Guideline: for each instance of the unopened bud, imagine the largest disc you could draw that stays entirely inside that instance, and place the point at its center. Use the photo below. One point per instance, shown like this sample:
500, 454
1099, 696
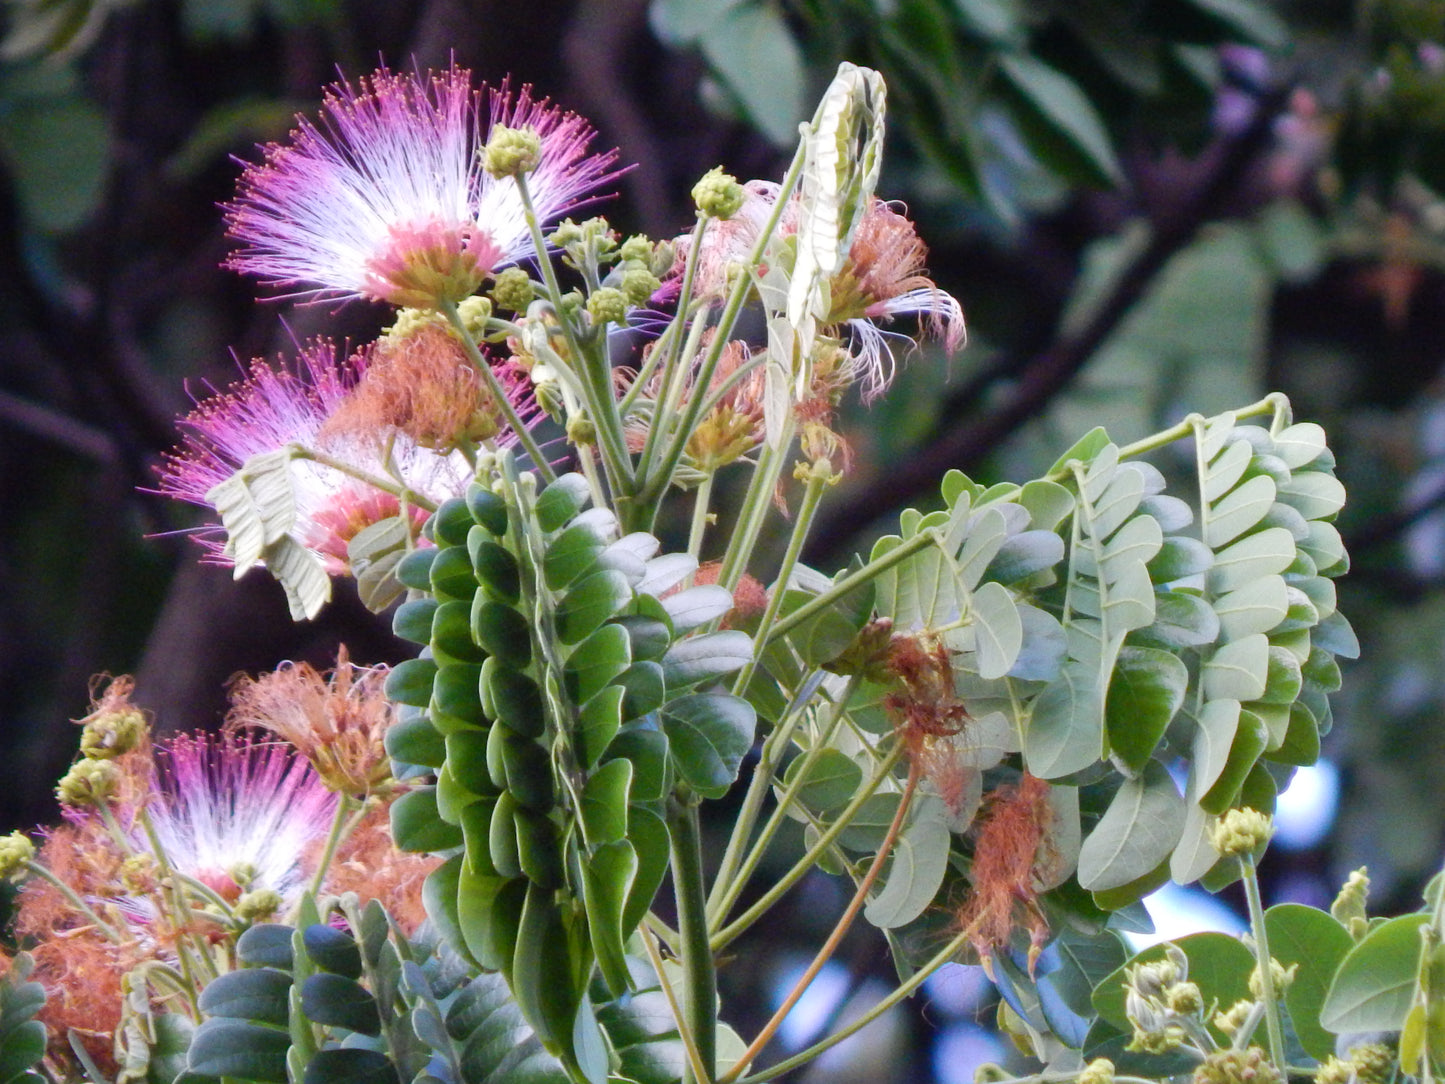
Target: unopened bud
1233, 1018
639, 284
1350, 904
138, 873
475, 311
1098, 1071
258, 904
718, 194
989, 1073
581, 430
16, 853
1230, 1066
110, 733
513, 290
89, 782
1374, 1063
1334, 1071
1280, 978
637, 247
1184, 998
512, 151
1240, 832
607, 305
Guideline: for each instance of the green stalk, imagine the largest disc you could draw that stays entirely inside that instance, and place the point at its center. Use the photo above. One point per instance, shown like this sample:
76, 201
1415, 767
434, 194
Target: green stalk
725, 888
341, 826
755, 507
656, 481
615, 458
834, 939
943, 956
850, 582
762, 777
818, 480
735, 929
1262, 960
509, 412
700, 1003
684, 1032
669, 400
701, 501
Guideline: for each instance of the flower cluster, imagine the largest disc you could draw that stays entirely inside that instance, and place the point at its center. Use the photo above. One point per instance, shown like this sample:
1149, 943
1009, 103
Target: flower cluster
168, 851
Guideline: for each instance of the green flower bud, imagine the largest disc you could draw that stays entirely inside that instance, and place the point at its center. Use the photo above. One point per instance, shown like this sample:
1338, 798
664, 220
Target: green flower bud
110, 733
138, 873
16, 852
989, 1073
1098, 1071
1280, 977
1334, 1071
513, 290
512, 151
1231, 1066
663, 257
637, 247
566, 233
581, 430
718, 194
1184, 998
1374, 1063
1240, 832
258, 904
1349, 905
639, 284
475, 311
1164, 1041
408, 322
89, 782
1234, 1017
607, 305
571, 302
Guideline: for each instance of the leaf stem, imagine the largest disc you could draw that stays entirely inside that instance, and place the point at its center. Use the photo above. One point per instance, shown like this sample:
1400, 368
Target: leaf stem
111, 933
386, 485
1263, 961
684, 1032
700, 1003
733, 877
835, 938
504, 404
341, 825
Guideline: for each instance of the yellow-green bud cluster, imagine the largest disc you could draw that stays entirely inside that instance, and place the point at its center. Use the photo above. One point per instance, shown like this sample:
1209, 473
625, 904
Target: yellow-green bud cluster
475, 311
258, 904
1374, 1063
718, 194
16, 854
1334, 1071
1280, 978
581, 430
1230, 1066
639, 284
513, 290
1349, 905
111, 733
138, 873
408, 322
1159, 999
607, 305
1098, 1071
89, 782
1233, 1018
512, 151
636, 249
1240, 832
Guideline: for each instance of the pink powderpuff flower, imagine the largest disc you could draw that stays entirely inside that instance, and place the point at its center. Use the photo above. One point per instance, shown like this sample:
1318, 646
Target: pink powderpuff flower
276, 406
239, 814
385, 198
